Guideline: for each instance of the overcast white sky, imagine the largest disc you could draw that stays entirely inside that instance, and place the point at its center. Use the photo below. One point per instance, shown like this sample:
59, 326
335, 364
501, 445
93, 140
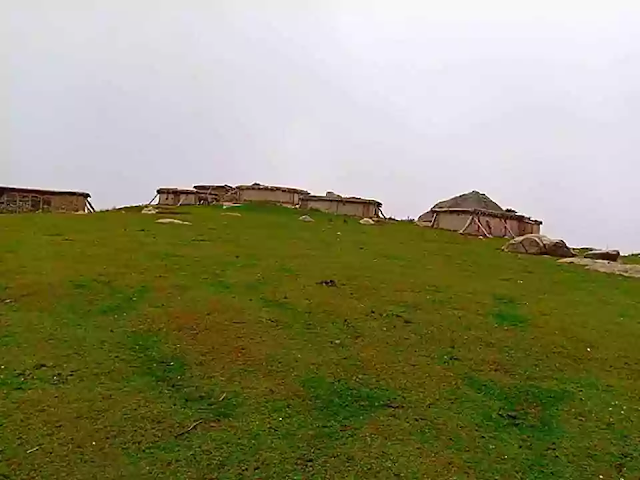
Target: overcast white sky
534, 102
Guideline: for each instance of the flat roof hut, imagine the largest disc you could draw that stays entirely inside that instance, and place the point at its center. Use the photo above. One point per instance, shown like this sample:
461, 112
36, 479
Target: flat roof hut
268, 193
23, 200
474, 213
332, 203
177, 196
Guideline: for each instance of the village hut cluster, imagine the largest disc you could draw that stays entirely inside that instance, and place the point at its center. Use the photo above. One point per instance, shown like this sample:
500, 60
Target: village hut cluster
472, 213
256, 192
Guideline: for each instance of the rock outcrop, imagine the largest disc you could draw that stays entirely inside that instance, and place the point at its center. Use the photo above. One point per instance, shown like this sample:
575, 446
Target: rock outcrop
605, 266
535, 244
610, 255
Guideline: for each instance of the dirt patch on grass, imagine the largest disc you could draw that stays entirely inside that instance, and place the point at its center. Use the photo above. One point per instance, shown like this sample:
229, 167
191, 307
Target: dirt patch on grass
223, 337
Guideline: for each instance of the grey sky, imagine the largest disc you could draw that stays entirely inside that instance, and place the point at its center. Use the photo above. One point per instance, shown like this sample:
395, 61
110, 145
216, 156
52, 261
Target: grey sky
536, 104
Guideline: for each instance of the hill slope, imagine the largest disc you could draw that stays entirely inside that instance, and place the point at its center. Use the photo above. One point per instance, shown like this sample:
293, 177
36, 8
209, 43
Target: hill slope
222, 350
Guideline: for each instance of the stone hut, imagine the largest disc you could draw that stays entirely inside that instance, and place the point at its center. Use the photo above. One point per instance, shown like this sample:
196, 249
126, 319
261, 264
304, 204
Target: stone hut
271, 194
474, 213
209, 194
23, 200
333, 203
177, 196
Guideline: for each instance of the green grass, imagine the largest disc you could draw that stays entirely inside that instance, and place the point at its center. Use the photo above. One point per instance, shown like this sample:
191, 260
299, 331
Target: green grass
631, 259
221, 350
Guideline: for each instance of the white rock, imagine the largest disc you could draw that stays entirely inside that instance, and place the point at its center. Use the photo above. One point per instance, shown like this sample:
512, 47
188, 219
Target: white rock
306, 218
149, 211
172, 220
367, 221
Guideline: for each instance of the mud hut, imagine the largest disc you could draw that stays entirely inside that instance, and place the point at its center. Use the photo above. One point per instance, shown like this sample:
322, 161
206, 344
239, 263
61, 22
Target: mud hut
23, 200
474, 213
271, 194
176, 196
332, 203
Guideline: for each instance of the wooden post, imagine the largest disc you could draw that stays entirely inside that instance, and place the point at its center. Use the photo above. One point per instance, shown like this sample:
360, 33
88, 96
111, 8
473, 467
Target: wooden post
90, 206
506, 226
433, 220
467, 224
482, 228
208, 200
156, 196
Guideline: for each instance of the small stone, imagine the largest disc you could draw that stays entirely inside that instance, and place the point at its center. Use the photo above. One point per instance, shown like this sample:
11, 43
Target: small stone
610, 255
306, 218
172, 220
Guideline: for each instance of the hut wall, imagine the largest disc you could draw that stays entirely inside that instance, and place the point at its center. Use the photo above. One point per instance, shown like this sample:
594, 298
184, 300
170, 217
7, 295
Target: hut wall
494, 226
319, 204
177, 198
355, 209
264, 195
188, 199
168, 198
528, 227
68, 203
23, 202
451, 220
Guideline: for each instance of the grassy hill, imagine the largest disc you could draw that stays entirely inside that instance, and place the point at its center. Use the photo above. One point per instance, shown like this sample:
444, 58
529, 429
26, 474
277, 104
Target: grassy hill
223, 350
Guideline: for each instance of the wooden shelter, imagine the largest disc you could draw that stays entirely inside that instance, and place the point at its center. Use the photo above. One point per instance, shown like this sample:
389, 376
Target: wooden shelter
23, 200
484, 223
474, 213
332, 203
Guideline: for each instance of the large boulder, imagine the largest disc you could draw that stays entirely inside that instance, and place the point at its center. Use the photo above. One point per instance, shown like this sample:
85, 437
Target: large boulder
535, 244
611, 255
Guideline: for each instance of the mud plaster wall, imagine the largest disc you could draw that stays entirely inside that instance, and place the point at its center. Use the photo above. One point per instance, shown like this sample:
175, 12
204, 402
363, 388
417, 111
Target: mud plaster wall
176, 198
21, 202
494, 226
354, 209
276, 196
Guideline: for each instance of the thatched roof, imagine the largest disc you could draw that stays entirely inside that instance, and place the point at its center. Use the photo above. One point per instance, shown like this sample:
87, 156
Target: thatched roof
471, 201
